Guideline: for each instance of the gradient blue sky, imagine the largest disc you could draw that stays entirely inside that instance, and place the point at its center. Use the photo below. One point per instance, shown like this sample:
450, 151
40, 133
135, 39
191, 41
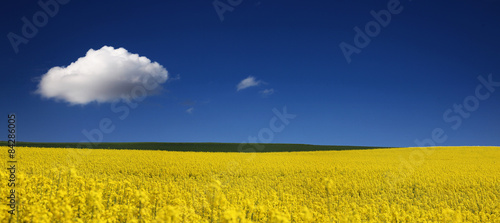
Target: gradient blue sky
396, 90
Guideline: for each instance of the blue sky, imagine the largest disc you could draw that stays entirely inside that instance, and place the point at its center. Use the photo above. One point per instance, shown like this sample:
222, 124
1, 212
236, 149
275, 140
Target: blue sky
427, 58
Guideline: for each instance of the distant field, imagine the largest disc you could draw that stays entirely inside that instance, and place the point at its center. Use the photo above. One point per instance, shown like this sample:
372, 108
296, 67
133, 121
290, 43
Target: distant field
195, 147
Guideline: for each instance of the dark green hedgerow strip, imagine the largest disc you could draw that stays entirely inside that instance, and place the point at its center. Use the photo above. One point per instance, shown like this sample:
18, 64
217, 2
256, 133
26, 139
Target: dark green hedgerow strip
196, 147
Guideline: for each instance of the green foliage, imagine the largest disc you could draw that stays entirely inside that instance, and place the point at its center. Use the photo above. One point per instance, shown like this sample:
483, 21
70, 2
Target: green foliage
196, 147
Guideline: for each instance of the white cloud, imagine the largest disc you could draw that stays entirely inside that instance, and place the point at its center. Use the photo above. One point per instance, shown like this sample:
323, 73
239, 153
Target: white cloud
190, 110
103, 75
248, 82
267, 92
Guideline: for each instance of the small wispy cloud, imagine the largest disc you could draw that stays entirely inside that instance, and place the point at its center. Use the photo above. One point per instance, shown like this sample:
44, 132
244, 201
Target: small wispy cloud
188, 102
174, 78
250, 81
190, 110
267, 92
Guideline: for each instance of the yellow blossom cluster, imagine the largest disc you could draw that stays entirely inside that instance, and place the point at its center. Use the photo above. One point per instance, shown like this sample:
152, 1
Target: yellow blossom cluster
448, 184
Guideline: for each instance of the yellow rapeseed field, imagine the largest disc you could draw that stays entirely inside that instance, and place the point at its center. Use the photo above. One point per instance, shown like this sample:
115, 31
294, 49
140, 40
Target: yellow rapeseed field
443, 184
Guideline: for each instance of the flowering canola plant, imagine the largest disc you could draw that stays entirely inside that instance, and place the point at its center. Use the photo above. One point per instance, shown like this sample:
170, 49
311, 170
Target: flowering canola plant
451, 184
